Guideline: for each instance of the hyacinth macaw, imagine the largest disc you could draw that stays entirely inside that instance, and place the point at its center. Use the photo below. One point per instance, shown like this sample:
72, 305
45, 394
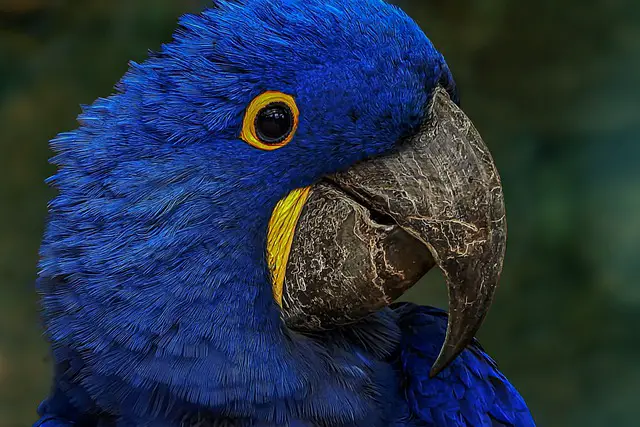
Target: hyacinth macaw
233, 225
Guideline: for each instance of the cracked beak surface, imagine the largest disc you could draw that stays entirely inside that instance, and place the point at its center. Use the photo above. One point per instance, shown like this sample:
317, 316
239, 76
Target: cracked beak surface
366, 235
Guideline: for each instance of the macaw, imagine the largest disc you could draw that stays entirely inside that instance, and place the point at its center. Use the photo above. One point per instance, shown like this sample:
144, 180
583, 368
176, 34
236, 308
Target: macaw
233, 226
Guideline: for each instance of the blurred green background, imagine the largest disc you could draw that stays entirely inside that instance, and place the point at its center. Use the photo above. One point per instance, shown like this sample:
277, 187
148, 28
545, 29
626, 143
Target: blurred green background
553, 86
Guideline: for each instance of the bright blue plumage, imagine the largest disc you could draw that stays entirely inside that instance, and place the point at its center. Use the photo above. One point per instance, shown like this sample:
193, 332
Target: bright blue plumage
469, 392
156, 294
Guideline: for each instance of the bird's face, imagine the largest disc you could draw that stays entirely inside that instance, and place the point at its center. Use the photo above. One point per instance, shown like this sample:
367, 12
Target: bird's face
334, 82
317, 128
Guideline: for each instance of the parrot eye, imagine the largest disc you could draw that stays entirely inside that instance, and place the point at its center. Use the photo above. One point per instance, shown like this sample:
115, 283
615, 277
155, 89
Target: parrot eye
270, 121
274, 123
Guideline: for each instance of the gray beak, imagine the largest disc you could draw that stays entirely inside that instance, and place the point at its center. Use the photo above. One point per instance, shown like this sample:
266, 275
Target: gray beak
367, 235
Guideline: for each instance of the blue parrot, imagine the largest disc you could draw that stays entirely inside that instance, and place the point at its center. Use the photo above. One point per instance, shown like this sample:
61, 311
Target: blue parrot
197, 269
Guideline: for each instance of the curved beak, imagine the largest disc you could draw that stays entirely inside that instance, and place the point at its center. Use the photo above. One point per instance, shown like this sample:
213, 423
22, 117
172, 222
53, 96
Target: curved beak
367, 235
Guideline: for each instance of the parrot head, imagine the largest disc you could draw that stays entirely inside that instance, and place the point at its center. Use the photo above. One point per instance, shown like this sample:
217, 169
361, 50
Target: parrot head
280, 159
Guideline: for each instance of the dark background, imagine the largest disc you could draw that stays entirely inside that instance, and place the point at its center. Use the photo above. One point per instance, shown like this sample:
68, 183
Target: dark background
553, 86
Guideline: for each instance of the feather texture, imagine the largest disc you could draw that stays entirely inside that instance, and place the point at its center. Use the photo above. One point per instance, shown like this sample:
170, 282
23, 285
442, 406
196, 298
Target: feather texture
156, 293
470, 392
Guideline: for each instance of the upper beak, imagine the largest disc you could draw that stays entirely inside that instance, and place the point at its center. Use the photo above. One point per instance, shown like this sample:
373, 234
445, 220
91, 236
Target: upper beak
367, 235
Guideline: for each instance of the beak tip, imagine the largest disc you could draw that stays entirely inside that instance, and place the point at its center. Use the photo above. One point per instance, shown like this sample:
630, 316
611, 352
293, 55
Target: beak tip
447, 355
435, 370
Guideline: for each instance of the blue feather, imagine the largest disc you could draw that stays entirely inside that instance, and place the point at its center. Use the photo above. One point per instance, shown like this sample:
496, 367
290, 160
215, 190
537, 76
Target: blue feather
155, 290
470, 392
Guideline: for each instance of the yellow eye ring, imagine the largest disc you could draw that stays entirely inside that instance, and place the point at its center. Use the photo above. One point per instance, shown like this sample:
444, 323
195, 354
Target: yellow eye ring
271, 121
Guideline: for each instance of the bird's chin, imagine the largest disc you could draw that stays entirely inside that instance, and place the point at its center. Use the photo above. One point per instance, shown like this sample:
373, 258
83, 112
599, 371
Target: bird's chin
367, 235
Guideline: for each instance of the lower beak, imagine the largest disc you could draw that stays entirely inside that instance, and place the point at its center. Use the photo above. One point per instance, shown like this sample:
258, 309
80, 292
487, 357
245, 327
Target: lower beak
367, 235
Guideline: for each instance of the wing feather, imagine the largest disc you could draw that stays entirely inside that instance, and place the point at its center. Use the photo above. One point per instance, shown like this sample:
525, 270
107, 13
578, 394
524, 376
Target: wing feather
470, 392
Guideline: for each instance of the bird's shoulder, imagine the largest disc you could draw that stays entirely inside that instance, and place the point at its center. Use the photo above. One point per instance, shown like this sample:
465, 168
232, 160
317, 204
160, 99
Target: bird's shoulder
470, 392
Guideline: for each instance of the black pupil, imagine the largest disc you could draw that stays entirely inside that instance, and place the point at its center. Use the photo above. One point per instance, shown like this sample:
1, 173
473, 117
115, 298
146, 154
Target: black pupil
274, 123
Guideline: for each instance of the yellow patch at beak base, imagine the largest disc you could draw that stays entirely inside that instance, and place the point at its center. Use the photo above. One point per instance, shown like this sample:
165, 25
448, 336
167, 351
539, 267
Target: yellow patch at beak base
282, 228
